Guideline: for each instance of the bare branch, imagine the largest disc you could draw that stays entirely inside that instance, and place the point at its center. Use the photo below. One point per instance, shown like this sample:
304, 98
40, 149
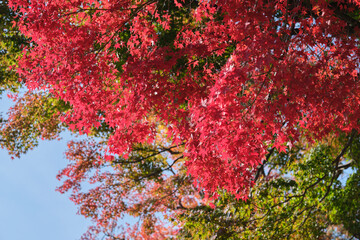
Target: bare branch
260, 170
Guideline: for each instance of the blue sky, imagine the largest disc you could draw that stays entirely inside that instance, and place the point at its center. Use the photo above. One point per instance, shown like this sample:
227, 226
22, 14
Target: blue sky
30, 208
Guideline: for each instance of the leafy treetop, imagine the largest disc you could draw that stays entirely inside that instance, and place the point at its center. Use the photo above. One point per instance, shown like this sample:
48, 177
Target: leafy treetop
230, 79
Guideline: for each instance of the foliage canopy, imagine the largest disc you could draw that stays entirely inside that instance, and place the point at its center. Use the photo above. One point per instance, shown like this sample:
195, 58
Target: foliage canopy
193, 101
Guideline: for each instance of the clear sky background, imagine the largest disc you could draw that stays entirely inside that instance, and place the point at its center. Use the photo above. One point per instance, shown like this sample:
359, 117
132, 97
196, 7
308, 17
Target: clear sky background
30, 208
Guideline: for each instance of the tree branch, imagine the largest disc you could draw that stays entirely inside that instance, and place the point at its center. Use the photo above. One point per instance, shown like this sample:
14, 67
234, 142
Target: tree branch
345, 166
260, 170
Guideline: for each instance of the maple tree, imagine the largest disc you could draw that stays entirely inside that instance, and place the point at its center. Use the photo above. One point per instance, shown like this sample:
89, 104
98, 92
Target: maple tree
225, 81
229, 79
34, 114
